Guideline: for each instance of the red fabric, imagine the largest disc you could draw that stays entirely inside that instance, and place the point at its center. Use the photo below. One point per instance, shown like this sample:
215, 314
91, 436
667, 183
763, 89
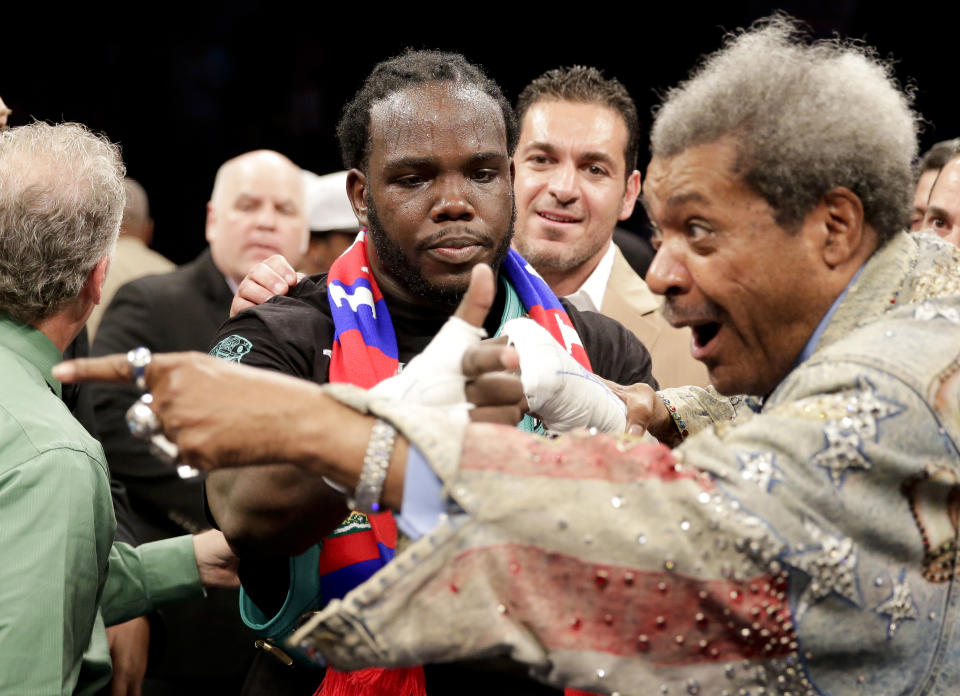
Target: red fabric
358, 358
408, 681
489, 447
341, 551
573, 604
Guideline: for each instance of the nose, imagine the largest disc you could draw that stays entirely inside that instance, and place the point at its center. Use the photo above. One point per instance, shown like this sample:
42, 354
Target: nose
266, 216
668, 274
563, 183
452, 201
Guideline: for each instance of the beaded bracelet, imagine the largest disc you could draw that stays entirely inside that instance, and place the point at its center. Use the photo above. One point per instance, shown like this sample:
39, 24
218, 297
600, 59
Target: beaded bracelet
681, 424
376, 461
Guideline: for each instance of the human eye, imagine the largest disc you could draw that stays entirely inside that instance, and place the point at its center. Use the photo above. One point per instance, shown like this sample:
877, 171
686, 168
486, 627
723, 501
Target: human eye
245, 204
596, 170
485, 176
698, 231
539, 159
409, 180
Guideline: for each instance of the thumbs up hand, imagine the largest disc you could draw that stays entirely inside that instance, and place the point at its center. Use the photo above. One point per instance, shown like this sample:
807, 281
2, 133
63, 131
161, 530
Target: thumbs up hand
457, 371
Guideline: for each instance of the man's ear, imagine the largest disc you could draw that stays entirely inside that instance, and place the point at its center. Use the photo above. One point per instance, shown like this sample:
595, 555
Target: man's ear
356, 192
840, 212
148, 232
93, 286
630, 195
211, 220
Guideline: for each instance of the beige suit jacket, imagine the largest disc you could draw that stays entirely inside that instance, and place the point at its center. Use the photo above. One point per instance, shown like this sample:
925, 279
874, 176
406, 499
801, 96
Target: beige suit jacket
628, 300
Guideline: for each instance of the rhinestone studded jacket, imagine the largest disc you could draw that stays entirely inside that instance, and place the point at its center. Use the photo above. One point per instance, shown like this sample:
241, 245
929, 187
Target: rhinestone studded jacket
810, 549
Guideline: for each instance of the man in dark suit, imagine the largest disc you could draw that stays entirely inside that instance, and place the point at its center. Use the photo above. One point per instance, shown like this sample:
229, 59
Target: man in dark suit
256, 210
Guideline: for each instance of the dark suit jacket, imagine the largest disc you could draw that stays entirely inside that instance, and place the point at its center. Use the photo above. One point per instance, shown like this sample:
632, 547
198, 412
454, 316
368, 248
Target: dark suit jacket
202, 643
77, 398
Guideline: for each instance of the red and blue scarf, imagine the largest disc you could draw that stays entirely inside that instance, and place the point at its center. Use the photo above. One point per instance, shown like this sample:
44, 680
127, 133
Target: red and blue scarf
365, 353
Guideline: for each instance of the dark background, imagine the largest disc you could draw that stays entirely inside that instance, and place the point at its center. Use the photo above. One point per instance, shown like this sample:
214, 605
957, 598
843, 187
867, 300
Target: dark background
184, 87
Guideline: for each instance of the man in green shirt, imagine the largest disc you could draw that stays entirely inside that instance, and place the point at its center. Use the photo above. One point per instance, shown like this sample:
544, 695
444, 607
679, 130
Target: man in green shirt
61, 576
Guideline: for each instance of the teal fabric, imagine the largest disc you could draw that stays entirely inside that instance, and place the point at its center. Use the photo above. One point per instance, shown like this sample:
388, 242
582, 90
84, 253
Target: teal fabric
513, 309
303, 595
58, 563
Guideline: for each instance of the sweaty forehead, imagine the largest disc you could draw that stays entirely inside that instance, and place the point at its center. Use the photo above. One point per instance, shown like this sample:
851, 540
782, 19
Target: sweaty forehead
424, 119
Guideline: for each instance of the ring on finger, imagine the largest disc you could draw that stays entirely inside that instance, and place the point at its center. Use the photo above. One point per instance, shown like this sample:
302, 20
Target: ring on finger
139, 358
141, 419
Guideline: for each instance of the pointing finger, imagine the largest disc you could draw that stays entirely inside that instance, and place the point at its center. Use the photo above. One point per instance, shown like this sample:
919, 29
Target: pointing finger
110, 368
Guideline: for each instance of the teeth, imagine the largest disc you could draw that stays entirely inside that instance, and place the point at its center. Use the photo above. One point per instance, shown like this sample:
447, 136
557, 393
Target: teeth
554, 218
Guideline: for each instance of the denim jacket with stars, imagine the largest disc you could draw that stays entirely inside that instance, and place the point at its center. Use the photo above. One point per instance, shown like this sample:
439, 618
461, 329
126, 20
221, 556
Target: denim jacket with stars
808, 549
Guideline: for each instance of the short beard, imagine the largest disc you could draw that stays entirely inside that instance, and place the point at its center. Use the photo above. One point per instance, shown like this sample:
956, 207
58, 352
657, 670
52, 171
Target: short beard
560, 261
399, 266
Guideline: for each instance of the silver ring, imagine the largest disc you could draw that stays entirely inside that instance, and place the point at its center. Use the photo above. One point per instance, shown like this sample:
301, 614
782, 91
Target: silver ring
141, 419
139, 358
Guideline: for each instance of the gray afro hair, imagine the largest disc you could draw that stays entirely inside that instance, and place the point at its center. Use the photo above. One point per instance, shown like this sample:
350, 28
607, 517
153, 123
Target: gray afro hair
806, 117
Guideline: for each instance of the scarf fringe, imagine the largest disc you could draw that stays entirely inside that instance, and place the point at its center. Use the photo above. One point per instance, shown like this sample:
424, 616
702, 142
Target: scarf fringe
406, 681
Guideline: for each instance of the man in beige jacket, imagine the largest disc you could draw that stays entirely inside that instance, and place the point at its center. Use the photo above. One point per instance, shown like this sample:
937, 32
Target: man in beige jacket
133, 257
576, 177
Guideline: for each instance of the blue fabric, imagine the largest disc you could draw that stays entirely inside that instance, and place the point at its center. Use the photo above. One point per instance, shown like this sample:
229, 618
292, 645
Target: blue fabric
822, 326
336, 584
423, 501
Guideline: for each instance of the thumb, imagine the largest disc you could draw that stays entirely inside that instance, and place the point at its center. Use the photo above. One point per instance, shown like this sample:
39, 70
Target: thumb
476, 302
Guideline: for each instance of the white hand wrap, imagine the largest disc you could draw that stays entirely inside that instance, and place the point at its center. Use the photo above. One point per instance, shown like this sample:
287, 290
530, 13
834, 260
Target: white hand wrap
560, 390
435, 377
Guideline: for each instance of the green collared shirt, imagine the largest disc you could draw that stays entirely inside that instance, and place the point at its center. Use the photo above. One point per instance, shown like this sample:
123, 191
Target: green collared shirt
61, 575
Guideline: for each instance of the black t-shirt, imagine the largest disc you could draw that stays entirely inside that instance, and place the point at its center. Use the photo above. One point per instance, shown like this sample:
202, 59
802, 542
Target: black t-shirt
293, 334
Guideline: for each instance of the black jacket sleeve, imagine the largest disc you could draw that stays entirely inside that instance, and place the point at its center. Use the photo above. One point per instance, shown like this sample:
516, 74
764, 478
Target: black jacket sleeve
614, 352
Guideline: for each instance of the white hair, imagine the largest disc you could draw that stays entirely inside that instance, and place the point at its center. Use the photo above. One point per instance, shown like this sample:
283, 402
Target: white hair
61, 200
806, 117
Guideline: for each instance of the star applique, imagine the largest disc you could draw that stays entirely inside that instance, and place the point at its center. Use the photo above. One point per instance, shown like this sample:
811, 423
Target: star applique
845, 434
831, 566
929, 310
760, 468
899, 606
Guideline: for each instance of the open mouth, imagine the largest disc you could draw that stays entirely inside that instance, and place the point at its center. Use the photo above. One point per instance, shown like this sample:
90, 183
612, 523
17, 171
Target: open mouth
703, 334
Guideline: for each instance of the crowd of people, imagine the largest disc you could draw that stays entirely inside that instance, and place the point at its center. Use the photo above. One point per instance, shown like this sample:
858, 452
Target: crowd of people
457, 432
